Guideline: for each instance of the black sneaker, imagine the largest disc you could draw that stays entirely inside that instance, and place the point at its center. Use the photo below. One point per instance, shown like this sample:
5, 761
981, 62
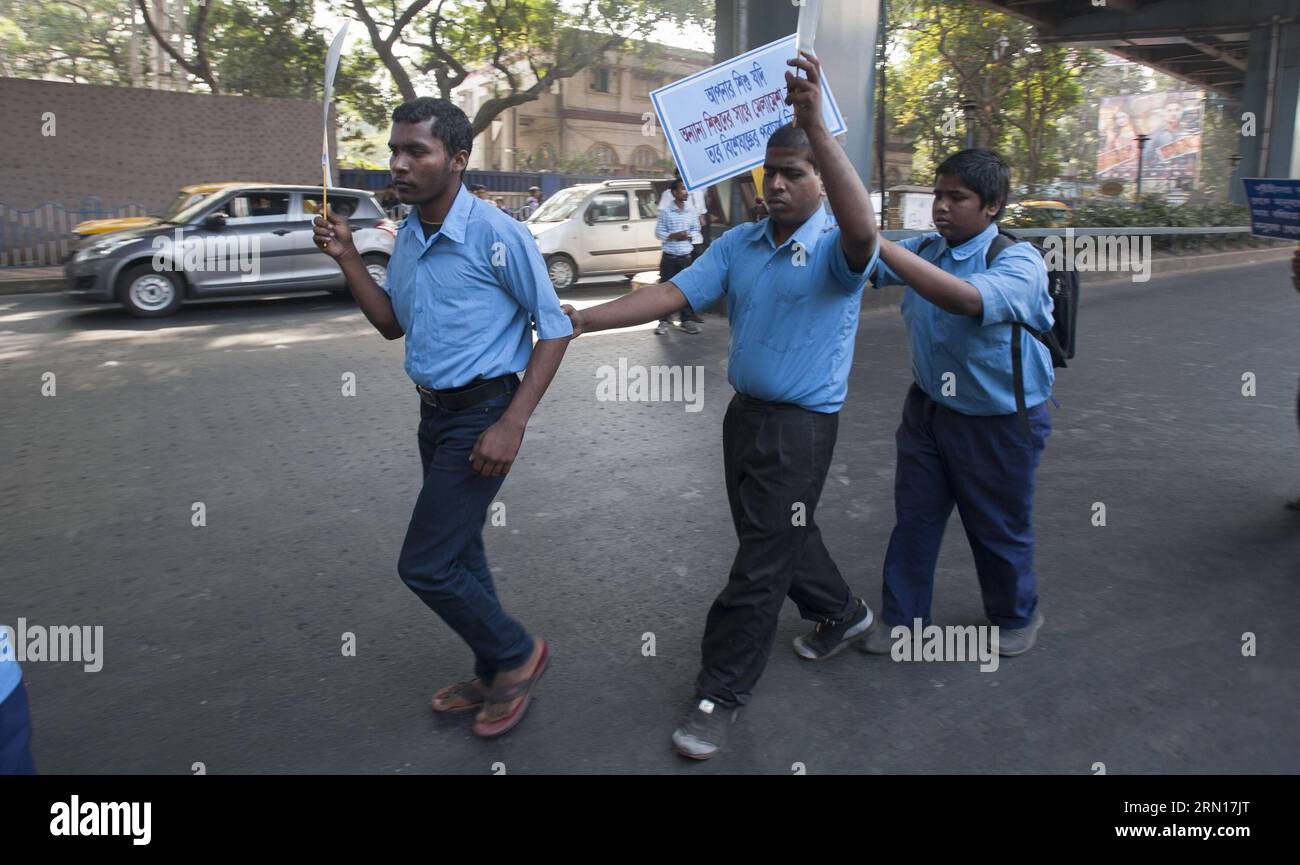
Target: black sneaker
703, 731
831, 638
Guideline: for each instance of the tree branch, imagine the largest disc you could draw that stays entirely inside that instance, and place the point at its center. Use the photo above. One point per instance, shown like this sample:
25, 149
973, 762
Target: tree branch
199, 67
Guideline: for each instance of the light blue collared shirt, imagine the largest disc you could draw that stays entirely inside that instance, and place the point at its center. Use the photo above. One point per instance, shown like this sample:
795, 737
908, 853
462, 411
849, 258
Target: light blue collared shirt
465, 294
10, 674
977, 351
792, 325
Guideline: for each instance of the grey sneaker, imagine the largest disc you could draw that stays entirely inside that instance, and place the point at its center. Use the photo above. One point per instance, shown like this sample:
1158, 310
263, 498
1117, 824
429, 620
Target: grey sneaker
690, 326
1017, 641
703, 731
879, 641
830, 638
661, 329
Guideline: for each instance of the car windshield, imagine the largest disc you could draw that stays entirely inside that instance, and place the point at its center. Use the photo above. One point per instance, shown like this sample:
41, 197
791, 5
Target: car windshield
184, 200
560, 206
191, 210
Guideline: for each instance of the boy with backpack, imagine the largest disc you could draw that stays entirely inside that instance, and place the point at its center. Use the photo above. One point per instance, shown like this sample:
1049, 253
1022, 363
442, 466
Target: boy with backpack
979, 319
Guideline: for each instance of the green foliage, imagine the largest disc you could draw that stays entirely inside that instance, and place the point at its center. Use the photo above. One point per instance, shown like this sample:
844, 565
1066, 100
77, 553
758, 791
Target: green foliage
1153, 210
527, 44
86, 41
1020, 87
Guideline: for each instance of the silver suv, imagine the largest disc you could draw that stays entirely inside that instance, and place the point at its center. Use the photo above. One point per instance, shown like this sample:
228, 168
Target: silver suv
248, 240
597, 229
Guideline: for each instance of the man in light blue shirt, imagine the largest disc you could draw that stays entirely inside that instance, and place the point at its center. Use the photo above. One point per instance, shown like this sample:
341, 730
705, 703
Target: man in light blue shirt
793, 286
961, 442
463, 284
15, 718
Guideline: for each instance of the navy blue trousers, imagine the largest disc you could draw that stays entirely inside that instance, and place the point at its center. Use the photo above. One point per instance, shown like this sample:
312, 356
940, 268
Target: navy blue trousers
442, 558
16, 734
985, 466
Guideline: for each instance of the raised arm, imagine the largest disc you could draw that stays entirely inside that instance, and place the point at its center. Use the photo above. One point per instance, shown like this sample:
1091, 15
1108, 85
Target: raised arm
849, 199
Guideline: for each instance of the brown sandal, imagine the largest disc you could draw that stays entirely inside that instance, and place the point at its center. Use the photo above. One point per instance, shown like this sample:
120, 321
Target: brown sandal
460, 697
499, 719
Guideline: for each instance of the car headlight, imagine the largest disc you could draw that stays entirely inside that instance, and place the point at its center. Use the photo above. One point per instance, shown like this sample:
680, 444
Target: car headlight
104, 247
546, 238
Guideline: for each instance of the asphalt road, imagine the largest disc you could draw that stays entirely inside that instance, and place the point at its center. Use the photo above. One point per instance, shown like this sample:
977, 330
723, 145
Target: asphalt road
222, 643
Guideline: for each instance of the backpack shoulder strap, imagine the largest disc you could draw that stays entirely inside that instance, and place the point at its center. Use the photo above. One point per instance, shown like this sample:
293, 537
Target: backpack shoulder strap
1000, 242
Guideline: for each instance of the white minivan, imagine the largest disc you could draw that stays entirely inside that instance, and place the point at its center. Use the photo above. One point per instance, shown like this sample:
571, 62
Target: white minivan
598, 229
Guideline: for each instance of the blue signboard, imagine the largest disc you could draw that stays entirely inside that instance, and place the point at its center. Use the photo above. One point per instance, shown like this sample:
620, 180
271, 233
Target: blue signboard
1274, 207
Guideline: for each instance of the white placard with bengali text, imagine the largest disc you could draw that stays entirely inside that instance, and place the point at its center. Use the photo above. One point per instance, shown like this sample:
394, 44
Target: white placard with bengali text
717, 122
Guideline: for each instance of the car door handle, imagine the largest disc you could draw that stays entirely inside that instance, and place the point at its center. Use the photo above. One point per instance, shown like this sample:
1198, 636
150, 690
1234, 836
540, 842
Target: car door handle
281, 232
626, 227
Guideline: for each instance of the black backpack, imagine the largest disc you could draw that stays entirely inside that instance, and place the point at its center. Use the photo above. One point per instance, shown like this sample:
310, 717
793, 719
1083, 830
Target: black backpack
1063, 287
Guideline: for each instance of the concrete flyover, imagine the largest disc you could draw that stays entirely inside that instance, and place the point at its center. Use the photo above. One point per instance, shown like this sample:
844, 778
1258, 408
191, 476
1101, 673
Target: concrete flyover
1247, 52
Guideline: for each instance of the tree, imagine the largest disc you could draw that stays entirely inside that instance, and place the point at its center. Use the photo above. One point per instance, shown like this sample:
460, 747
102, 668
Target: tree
1016, 87
530, 44
83, 41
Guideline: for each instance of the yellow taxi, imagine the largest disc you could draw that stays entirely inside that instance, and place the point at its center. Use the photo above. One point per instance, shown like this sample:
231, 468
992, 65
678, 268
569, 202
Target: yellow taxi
188, 195
1039, 214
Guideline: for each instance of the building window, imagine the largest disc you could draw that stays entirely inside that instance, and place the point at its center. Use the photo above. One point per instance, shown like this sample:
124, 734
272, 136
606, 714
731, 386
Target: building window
644, 158
603, 80
604, 156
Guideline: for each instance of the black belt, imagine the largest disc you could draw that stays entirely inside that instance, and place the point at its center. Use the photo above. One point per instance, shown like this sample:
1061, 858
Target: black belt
754, 402
470, 395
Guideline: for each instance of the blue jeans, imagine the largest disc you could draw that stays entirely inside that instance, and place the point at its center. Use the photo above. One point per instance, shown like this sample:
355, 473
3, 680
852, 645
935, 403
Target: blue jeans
985, 465
16, 734
442, 558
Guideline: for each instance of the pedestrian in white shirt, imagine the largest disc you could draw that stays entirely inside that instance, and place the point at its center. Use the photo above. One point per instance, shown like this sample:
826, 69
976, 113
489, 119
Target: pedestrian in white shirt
678, 224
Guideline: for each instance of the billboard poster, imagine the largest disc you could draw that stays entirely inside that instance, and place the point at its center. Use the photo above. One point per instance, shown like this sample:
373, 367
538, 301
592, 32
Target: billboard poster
1173, 120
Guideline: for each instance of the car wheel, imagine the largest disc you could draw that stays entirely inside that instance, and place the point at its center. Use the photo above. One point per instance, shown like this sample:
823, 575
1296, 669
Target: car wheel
150, 293
562, 270
377, 266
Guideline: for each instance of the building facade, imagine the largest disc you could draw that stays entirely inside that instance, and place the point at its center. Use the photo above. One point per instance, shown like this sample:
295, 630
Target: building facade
598, 121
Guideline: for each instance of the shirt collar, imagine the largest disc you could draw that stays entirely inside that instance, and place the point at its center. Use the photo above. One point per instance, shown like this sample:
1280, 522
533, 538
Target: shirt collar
977, 244
806, 235
453, 227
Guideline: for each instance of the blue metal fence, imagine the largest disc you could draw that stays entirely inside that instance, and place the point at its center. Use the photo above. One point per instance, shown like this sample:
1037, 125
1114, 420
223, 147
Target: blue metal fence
42, 236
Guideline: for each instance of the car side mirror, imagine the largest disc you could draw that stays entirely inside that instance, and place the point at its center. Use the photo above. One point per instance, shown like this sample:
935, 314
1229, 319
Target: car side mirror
589, 216
214, 221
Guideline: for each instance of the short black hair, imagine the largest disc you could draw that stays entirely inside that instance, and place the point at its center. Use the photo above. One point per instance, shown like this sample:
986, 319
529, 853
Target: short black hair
794, 138
983, 172
678, 182
478, 187
450, 125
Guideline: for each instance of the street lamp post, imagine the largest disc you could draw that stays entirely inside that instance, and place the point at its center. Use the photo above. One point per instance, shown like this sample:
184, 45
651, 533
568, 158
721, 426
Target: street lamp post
1142, 146
969, 107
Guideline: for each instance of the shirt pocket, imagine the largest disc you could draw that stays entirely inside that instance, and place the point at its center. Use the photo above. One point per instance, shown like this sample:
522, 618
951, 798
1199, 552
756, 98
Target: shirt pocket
461, 308
790, 323
990, 350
